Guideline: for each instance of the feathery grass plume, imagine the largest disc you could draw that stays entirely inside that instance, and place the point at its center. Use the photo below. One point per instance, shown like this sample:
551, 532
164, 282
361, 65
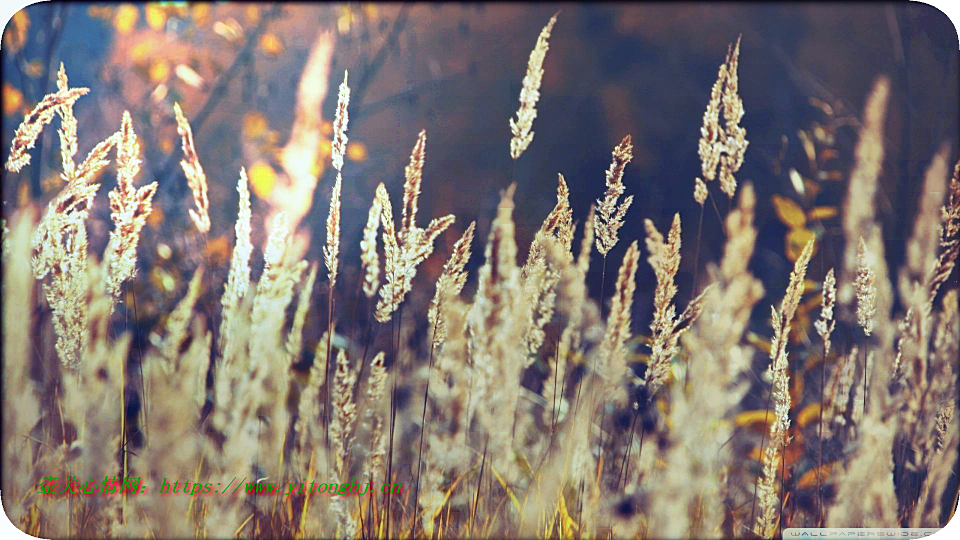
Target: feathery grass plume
369, 257
413, 179
613, 353
20, 398
865, 285
573, 300
376, 389
558, 224
196, 178
41, 115
700, 192
923, 384
238, 280
609, 216
495, 329
295, 336
781, 320
859, 214
405, 249
836, 398
949, 236
522, 127
68, 128
308, 408
129, 209
344, 410
332, 249
723, 146
449, 285
666, 327
826, 323
928, 508
339, 145
699, 460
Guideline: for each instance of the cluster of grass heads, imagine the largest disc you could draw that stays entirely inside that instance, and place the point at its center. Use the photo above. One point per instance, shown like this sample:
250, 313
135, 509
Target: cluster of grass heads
527, 409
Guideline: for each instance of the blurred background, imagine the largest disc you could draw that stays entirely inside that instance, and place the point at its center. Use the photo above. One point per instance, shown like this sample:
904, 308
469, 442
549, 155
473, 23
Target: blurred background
456, 70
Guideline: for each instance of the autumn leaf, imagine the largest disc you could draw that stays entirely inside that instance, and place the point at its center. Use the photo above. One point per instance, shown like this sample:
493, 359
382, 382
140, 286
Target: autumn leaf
796, 240
808, 415
789, 212
809, 478
823, 212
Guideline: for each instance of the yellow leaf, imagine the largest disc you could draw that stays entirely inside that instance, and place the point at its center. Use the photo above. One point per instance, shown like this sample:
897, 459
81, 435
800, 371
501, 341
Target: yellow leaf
156, 16
759, 342
12, 99
754, 419
795, 242
809, 478
125, 18
823, 212
253, 13
789, 212
356, 151
270, 44
262, 178
809, 414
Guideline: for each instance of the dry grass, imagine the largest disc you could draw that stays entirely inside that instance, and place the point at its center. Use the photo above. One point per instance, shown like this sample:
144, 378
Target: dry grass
531, 395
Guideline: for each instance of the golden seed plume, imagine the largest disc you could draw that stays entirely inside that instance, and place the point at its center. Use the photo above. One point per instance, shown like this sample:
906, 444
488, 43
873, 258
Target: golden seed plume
332, 249
826, 323
450, 283
369, 257
405, 249
700, 192
614, 366
768, 500
865, 286
723, 146
413, 174
41, 115
609, 216
196, 178
522, 127
338, 147
129, 209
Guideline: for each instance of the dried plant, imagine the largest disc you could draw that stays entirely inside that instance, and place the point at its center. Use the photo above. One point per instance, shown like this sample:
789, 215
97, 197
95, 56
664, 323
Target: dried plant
609, 216
196, 178
866, 290
369, 257
723, 146
522, 127
406, 248
531, 399
129, 209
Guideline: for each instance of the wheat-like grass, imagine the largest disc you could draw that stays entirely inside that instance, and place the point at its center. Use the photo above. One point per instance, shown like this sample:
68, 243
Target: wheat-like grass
769, 501
609, 216
522, 127
723, 147
129, 209
196, 178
